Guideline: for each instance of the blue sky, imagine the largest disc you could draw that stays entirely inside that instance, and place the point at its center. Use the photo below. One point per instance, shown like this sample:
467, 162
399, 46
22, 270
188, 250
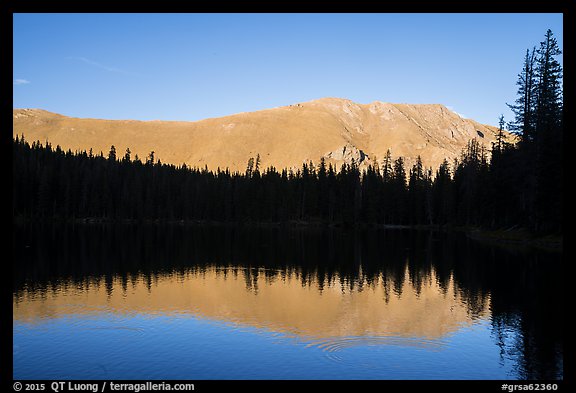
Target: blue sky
195, 66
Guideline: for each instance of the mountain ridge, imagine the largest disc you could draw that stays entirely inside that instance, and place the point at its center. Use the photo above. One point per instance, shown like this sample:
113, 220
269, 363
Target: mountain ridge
285, 137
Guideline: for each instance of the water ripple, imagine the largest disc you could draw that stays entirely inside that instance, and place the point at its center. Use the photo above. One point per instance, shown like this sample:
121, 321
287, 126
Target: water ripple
337, 344
138, 330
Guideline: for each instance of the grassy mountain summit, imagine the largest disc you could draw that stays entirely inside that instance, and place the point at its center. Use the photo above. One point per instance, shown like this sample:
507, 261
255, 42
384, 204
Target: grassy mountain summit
337, 129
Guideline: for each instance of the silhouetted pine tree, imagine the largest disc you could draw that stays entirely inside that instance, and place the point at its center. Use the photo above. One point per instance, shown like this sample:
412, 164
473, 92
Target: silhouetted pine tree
537, 161
524, 107
418, 192
442, 204
398, 193
548, 136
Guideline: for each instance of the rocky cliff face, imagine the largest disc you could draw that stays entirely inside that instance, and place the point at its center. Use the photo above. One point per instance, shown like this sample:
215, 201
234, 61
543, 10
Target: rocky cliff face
337, 129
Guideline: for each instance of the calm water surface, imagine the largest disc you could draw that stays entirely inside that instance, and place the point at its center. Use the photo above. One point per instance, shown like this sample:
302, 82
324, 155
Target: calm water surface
168, 302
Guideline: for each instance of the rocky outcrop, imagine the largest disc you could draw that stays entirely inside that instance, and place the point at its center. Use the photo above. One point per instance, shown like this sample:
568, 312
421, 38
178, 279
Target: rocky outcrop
348, 154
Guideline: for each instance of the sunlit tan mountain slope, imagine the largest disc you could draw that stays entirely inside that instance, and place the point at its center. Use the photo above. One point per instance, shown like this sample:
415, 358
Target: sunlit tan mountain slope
337, 129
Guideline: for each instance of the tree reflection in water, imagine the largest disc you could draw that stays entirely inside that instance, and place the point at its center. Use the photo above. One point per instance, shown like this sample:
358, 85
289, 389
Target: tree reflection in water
520, 290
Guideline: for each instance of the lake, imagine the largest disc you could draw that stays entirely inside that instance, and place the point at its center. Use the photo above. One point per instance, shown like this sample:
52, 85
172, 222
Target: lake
192, 302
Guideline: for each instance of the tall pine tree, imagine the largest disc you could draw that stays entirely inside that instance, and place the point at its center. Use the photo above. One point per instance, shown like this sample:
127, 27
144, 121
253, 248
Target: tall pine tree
524, 106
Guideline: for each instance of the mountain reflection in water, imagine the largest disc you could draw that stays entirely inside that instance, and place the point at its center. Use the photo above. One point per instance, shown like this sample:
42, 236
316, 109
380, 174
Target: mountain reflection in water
276, 302
332, 288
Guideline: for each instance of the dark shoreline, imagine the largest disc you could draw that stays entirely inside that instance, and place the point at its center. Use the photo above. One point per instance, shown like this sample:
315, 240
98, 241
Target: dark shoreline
509, 237
517, 238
